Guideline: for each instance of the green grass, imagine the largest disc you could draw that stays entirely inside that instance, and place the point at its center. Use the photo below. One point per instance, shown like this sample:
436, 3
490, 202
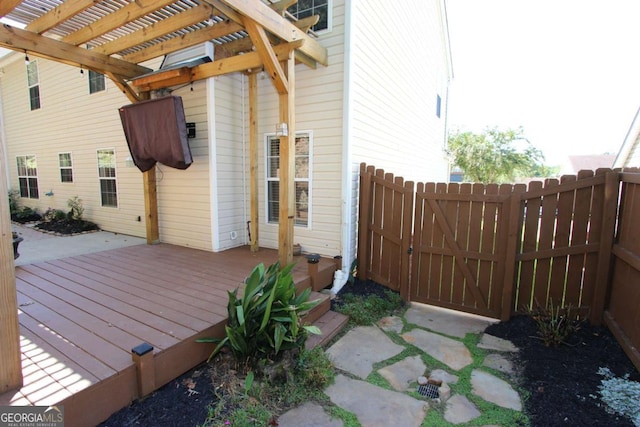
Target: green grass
370, 309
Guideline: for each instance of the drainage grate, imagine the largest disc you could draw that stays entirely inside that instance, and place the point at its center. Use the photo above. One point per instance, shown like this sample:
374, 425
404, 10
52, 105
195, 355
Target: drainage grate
429, 390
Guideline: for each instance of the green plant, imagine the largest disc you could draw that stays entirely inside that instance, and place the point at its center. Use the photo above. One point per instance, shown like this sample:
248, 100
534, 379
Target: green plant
14, 202
266, 318
555, 324
53, 215
621, 395
76, 208
315, 369
368, 310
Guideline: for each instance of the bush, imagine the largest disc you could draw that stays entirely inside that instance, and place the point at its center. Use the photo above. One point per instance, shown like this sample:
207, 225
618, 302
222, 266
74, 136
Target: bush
76, 208
556, 324
266, 318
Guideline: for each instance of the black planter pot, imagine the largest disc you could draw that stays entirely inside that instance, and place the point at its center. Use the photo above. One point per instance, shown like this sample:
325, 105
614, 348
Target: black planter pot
16, 241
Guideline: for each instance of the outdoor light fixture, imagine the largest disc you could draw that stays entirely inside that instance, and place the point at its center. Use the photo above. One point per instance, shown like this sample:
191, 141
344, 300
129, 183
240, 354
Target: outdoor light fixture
26, 58
282, 129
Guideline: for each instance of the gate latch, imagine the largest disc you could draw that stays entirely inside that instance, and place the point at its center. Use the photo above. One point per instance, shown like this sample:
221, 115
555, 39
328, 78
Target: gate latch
410, 250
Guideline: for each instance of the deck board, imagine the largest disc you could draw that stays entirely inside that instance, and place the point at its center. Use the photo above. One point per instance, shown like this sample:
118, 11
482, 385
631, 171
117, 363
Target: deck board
80, 316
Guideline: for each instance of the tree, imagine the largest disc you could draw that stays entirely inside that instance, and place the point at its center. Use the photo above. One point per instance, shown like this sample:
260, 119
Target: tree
495, 156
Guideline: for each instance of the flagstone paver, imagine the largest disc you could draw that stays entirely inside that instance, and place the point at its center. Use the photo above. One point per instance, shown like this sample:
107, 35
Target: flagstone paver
360, 348
308, 415
401, 374
391, 324
494, 390
449, 351
489, 342
499, 363
375, 406
460, 410
446, 322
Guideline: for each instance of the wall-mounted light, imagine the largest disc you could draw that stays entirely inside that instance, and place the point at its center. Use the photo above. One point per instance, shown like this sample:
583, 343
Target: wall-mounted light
282, 129
26, 58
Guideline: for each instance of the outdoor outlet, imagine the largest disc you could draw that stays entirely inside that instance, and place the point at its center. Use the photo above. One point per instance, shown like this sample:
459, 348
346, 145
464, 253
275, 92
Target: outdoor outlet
139, 218
233, 235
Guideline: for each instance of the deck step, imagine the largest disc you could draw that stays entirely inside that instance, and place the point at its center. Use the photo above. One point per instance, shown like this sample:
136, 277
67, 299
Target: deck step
331, 323
319, 310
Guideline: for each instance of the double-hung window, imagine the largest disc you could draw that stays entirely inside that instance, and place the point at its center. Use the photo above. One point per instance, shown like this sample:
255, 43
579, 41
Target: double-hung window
302, 179
33, 82
28, 176
96, 82
107, 177
305, 8
66, 167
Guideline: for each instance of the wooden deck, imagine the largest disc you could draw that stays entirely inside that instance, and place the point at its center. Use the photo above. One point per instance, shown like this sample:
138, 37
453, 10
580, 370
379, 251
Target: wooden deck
80, 317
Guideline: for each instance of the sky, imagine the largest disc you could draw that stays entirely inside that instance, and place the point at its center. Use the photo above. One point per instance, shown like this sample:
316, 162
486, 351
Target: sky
567, 71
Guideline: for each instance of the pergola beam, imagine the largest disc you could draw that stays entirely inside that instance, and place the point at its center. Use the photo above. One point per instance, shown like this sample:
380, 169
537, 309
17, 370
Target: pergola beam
58, 14
267, 55
124, 15
233, 64
7, 6
273, 22
23, 40
189, 17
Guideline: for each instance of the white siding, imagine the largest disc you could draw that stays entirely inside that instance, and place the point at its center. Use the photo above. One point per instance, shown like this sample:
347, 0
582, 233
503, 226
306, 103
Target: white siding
184, 195
319, 108
70, 120
633, 161
395, 79
231, 171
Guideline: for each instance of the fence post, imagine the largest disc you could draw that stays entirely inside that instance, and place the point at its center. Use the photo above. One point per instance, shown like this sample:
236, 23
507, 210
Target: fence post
513, 228
407, 238
364, 218
610, 207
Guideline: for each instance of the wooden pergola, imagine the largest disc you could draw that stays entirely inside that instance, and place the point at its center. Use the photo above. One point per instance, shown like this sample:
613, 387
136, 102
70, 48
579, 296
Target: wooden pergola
113, 37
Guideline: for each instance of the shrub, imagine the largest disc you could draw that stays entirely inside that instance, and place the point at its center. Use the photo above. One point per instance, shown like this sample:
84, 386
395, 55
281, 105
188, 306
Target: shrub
266, 318
53, 215
14, 202
621, 395
76, 208
368, 310
556, 324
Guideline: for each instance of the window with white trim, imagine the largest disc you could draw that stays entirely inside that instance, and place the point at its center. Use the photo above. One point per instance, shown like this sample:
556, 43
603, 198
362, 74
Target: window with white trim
107, 177
28, 176
66, 167
305, 8
96, 82
33, 81
302, 180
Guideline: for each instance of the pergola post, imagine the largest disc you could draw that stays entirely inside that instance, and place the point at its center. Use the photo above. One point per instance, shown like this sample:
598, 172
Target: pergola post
11, 365
287, 167
253, 161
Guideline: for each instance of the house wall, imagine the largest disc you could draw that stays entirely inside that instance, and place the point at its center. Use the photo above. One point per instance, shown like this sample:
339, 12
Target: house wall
70, 120
396, 76
319, 108
398, 65
184, 208
229, 167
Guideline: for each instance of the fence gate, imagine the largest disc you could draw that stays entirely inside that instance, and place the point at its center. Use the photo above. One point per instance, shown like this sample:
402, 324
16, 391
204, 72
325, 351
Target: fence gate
384, 230
460, 247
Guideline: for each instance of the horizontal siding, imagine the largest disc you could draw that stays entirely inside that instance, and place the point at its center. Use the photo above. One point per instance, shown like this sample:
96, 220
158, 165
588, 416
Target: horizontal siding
71, 120
394, 88
319, 108
184, 207
231, 147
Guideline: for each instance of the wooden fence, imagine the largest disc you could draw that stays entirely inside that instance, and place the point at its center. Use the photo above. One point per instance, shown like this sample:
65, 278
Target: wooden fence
499, 249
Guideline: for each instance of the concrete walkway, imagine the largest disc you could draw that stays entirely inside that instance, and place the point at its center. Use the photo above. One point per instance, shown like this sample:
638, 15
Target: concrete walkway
38, 246
435, 354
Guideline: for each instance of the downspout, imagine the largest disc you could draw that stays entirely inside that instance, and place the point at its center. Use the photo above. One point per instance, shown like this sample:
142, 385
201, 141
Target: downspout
348, 228
244, 157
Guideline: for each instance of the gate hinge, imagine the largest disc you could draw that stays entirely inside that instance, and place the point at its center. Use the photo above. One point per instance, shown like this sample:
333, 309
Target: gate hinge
410, 250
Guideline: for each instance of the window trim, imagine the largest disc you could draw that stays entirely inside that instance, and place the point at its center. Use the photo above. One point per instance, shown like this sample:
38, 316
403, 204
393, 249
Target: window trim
309, 180
35, 85
113, 178
329, 19
60, 167
27, 176
89, 79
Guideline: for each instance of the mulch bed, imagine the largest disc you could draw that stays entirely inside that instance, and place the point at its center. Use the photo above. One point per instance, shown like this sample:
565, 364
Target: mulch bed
563, 381
67, 226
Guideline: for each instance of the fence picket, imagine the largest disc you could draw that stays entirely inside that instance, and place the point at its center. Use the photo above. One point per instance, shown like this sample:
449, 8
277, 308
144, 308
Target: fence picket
545, 242
529, 244
575, 269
